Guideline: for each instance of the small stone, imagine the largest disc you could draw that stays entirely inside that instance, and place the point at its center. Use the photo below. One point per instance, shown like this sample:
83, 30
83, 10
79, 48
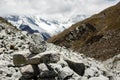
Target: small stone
101, 77
1, 72
9, 75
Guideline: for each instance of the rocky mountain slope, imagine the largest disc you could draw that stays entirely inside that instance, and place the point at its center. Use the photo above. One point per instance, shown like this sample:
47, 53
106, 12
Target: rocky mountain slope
97, 36
26, 56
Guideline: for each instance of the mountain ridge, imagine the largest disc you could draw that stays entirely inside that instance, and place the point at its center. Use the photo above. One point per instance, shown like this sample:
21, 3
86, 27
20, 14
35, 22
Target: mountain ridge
84, 34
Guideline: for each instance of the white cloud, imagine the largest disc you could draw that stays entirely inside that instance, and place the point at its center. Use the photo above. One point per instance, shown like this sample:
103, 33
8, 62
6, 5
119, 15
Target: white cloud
53, 7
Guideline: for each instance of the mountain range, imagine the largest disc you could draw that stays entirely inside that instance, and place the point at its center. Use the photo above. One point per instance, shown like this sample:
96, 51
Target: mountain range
46, 27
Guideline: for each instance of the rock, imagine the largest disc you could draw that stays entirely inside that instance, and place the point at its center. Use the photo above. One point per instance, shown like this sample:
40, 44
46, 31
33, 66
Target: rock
90, 72
8, 31
2, 50
46, 57
37, 38
79, 68
101, 77
29, 71
38, 45
65, 73
9, 75
84, 78
1, 71
48, 74
20, 58
2, 36
46, 71
1, 27
37, 48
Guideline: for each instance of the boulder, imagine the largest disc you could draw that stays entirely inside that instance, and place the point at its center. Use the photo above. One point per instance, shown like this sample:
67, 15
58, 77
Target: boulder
37, 38
65, 73
30, 72
46, 71
37, 48
37, 45
45, 57
79, 68
20, 58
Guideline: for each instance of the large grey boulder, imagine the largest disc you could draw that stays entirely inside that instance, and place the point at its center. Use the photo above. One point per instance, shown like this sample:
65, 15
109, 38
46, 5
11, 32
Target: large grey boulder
37, 48
38, 45
79, 68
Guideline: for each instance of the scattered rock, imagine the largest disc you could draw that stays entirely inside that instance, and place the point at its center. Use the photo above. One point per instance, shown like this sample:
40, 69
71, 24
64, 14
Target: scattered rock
46, 57
101, 77
79, 68
20, 58
65, 73
29, 71
9, 75
37, 48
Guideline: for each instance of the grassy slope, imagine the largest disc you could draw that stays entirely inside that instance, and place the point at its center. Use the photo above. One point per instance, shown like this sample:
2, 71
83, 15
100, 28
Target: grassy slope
107, 23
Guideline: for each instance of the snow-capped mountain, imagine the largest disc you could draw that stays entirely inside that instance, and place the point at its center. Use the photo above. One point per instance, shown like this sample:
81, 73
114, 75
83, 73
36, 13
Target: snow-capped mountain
46, 26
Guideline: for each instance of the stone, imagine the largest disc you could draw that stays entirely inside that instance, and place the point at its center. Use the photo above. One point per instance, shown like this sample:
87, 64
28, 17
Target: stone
43, 67
30, 71
48, 74
9, 75
37, 48
2, 50
65, 73
101, 77
20, 57
79, 68
90, 73
46, 57
46, 71
37, 38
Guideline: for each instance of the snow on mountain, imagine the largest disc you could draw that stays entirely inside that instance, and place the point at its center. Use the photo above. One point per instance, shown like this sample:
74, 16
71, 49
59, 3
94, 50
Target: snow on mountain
42, 24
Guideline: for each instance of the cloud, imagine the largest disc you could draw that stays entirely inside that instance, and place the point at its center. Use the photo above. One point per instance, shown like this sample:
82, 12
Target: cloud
53, 7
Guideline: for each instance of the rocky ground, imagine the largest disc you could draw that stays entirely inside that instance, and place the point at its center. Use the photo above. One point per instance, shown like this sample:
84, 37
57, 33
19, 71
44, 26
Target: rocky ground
46, 61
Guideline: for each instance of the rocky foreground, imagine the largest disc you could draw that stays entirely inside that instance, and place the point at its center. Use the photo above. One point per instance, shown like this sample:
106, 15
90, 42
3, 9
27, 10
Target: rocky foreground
26, 56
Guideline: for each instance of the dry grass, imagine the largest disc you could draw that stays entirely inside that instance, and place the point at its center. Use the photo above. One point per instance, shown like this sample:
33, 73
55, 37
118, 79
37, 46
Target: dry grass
104, 22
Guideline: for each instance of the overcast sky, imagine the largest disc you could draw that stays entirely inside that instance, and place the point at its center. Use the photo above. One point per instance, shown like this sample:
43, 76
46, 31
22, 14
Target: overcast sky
53, 7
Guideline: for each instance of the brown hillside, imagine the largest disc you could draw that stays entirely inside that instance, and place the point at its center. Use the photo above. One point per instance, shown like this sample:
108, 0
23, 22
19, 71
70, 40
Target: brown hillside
97, 36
